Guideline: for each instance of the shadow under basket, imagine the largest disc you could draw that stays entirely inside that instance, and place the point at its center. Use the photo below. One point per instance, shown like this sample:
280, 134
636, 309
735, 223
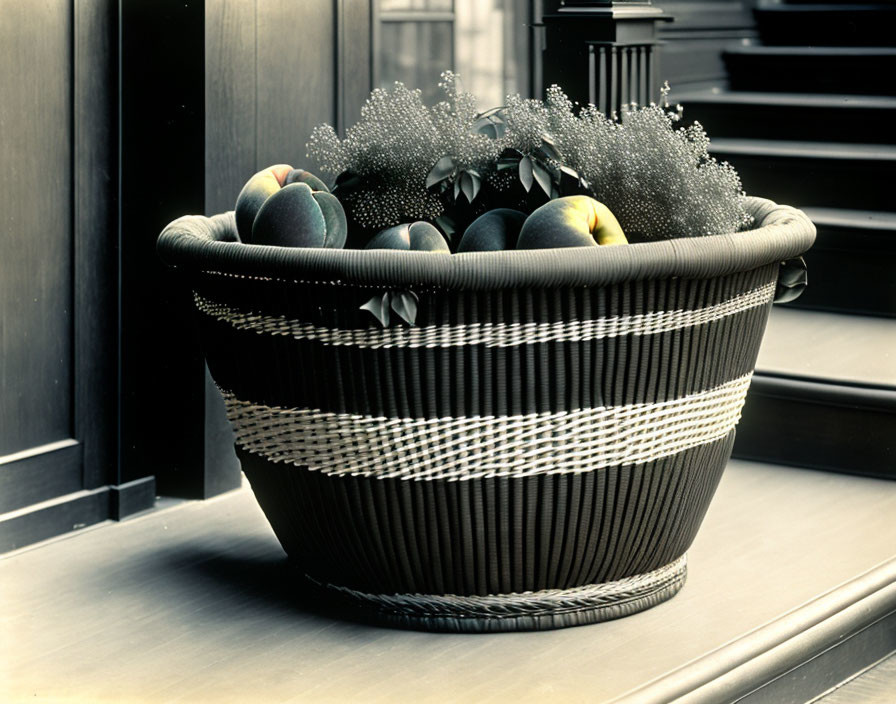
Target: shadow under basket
538, 450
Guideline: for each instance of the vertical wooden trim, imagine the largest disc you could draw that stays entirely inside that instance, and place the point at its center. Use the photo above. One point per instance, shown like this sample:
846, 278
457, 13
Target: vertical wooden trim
162, 162
94, 212
339, 65
594, 83
375, 43
613, 80
651, 73
355, 59
536, 47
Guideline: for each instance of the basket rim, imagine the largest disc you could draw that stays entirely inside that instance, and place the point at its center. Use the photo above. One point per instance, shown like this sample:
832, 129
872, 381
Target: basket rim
199, 243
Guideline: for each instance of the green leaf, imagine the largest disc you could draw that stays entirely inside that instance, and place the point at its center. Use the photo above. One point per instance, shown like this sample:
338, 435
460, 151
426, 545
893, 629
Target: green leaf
456, 189
542, 176
346, 182
550, 152
526, 176
443, 168
490, 113
447, 225
477, 183
379, 306
488, 129
466, 185
404, 303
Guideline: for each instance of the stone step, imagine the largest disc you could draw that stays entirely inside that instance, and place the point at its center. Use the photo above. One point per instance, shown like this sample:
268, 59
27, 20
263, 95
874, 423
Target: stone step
791, 590
793, 116
812, 69
827, 24
823, 174
824, 394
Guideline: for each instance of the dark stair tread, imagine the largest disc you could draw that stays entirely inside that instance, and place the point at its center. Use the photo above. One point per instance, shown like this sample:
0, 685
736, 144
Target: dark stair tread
785, 115
823, 395
802, 173
830, 348
862, 70
811, 7
853, 219
852, 266
829, 25
804, 150
811, 51
795, 99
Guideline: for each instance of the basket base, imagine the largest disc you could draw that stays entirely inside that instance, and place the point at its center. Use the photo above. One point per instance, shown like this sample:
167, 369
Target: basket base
528, 611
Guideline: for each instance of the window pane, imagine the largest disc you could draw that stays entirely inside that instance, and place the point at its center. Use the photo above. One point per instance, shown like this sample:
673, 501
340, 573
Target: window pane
404, 5
415, 53
491, 44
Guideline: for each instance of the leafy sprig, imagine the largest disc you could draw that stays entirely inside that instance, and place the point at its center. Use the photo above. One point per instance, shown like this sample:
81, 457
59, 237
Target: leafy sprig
403, 161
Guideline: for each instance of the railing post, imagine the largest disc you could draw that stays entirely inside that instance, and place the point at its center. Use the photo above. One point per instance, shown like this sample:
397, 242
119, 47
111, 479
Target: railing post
603, 51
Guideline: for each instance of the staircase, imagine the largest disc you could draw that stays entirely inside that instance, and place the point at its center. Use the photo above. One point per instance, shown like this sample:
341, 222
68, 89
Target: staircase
808, 118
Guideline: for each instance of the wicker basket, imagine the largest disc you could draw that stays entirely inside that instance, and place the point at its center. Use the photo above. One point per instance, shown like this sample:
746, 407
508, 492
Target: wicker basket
538, 451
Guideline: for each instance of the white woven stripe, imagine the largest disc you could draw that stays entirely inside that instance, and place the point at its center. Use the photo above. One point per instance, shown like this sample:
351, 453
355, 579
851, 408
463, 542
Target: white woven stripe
489, 334
478, 446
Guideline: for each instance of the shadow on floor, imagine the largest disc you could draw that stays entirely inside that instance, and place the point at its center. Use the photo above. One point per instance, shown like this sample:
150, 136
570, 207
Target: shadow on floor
254, 570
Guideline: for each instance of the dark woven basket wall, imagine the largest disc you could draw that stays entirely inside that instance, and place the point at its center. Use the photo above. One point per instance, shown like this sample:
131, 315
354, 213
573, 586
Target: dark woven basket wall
525, 436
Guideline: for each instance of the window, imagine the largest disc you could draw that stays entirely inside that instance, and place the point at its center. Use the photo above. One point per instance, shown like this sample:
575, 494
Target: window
487, 42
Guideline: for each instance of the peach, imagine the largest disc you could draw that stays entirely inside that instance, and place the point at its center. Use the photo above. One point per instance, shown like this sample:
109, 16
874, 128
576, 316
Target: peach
573, 221
418, 236
297, 216
492, 231
253, 195
302, 176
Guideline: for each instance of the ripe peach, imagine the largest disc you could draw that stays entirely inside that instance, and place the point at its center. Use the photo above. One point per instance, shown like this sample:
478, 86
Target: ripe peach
419, 236
296, 216
492, 231
573, 221
253, 195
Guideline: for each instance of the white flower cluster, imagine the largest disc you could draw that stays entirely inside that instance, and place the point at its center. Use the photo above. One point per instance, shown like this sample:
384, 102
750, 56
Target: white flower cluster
659, 180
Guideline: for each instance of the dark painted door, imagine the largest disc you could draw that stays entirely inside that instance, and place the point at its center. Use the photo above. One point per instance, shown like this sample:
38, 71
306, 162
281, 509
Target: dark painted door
57, 268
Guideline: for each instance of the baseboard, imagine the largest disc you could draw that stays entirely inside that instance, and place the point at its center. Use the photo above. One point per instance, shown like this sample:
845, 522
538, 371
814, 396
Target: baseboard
63, 514
130, 498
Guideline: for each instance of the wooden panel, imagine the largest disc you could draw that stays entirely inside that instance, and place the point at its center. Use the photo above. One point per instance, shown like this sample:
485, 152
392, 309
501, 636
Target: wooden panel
229, 100
295, 76
40, 474
355, 60
95, 231
52, 518
35, 221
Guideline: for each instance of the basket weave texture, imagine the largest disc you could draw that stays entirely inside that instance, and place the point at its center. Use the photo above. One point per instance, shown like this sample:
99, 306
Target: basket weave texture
538, 451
